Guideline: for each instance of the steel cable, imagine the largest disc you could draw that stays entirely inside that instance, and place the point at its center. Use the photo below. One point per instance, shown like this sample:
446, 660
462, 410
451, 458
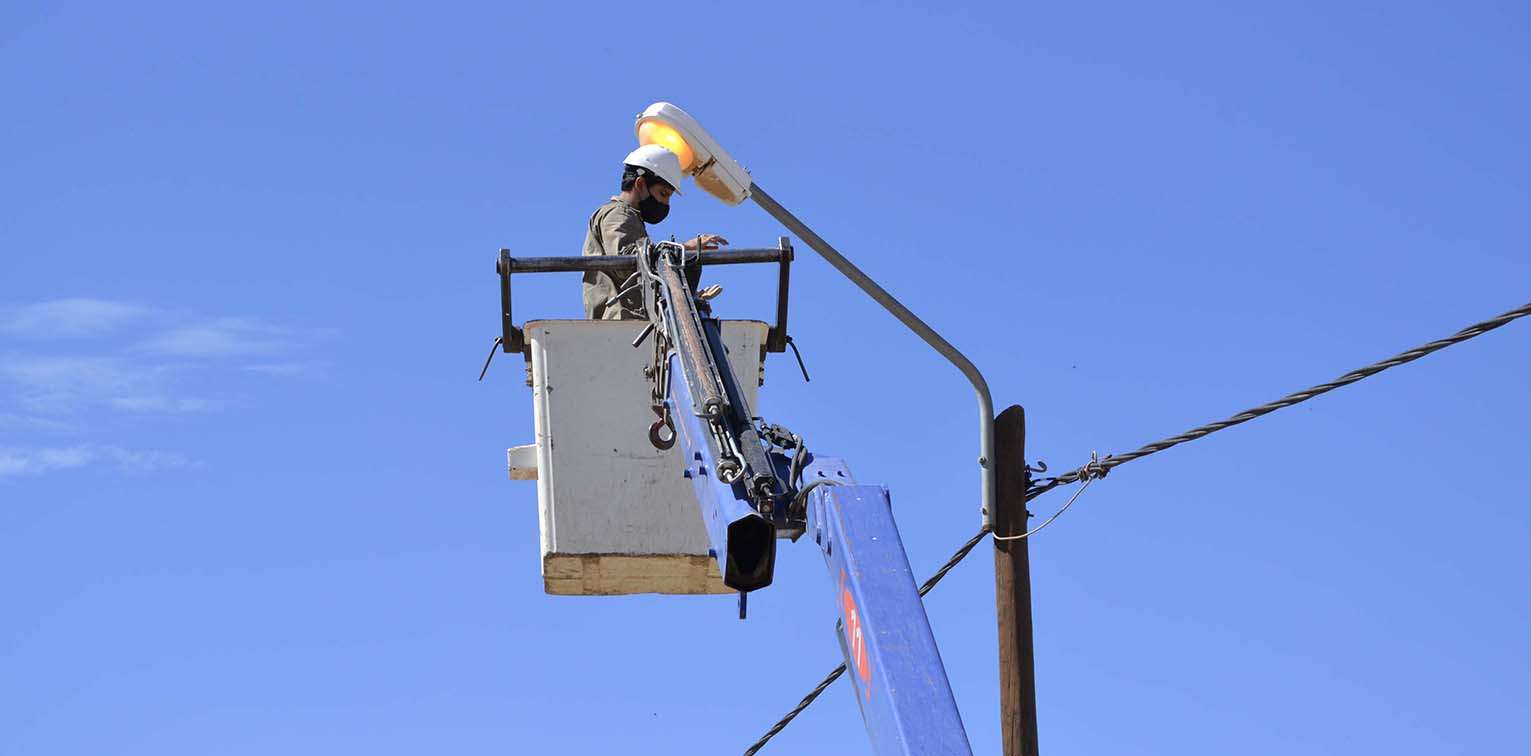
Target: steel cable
1098, 468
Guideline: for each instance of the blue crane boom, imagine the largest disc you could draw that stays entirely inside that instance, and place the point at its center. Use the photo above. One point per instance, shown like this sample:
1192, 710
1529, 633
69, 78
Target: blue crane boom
749, 491
895, 668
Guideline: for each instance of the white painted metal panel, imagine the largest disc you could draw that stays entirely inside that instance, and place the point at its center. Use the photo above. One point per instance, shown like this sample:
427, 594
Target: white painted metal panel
615, 514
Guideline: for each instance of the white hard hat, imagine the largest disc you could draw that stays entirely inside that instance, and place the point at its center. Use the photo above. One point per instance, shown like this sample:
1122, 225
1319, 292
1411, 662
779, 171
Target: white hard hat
659, 161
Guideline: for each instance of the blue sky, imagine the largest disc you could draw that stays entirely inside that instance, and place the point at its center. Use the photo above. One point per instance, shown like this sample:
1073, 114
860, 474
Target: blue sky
254, 501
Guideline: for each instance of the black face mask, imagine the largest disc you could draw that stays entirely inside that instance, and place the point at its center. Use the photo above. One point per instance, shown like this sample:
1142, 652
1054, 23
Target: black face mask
652, 210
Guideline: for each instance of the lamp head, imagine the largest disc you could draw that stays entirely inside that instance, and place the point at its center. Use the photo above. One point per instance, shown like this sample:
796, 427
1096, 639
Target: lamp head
700, 155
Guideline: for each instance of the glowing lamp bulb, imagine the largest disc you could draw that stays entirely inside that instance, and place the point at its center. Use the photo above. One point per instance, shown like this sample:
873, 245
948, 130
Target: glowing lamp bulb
656, 132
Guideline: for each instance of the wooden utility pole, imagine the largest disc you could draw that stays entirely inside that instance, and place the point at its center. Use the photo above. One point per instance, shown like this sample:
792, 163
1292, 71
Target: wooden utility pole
1012, 587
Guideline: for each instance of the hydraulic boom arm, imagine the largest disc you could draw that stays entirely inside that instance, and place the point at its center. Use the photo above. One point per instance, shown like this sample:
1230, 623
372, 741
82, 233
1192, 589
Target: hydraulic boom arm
748, 491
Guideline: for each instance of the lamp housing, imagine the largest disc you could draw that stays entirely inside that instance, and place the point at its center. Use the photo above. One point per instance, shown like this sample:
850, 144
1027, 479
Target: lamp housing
700, 155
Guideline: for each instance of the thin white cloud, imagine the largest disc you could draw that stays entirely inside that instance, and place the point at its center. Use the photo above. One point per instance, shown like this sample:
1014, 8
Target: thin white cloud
17, 462
146, 371
17, 422
69, 318
68, 372
162, 404
142, 360
224, 337
279, 369
55, 385
145, 460
20, 462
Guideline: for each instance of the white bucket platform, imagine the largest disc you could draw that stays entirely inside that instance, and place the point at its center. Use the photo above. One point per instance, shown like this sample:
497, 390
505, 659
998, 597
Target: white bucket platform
615, 514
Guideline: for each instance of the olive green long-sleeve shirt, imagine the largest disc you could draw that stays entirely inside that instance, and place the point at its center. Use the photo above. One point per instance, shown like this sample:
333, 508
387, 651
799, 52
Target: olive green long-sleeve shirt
615, 228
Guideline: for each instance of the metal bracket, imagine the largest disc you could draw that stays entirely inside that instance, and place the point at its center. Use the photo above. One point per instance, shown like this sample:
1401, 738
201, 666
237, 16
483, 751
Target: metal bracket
776, 338
511, 338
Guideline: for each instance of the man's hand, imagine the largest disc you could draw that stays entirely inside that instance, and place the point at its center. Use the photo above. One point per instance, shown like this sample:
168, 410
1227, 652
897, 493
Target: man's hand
704, 242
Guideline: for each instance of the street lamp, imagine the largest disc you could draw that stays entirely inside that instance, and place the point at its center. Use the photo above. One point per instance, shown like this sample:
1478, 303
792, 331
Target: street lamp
700, 155
716, 172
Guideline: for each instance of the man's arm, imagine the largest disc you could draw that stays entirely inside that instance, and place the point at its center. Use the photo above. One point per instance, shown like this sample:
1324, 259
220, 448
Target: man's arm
621, 232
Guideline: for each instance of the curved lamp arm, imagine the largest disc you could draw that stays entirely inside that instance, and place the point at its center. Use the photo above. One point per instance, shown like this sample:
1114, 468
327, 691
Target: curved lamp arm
909, 319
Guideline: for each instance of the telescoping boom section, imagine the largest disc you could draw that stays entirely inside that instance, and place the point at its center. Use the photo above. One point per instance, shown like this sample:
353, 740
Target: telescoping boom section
890, 653
755, 482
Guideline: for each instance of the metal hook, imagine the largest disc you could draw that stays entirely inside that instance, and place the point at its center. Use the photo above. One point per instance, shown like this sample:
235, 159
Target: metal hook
663, 423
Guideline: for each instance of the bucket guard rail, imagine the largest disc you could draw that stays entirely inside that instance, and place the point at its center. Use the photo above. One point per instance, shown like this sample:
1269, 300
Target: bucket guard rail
513, 340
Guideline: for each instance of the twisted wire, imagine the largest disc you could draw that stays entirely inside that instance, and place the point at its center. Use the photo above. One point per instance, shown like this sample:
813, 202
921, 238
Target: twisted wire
1111, 462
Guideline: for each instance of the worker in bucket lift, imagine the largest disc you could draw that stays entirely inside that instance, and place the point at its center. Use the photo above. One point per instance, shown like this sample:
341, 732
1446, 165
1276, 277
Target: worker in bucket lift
650, 176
